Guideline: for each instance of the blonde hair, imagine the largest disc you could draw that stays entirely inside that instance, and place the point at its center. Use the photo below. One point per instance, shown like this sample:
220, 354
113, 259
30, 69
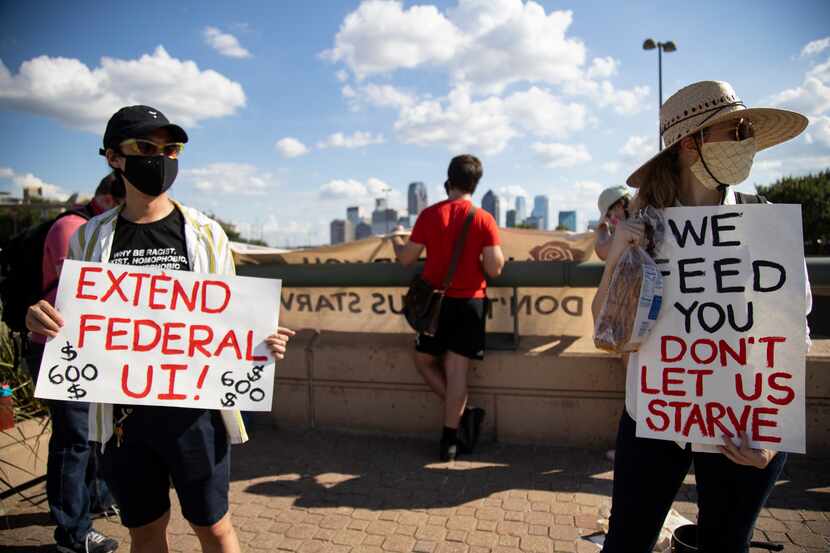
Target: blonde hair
661, 182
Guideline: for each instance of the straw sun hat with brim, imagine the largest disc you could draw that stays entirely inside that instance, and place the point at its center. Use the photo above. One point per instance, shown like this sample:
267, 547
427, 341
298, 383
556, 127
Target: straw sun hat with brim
706, 103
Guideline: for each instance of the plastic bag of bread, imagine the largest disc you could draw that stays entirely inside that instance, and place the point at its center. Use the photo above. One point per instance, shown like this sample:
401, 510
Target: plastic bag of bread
635, 293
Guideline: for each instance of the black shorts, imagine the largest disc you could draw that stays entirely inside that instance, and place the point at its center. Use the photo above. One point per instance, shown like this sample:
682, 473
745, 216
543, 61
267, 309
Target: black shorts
460, 329
189, 447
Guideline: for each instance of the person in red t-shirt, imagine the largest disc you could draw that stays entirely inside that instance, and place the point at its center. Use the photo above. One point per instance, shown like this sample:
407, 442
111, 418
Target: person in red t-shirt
443, 359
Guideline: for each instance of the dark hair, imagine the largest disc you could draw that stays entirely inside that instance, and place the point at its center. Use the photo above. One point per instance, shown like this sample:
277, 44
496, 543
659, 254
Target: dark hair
464, 173
112, 185
624, 202
662, 181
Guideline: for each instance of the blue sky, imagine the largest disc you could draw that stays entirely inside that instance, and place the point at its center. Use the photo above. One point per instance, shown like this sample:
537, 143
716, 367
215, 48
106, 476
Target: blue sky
297, 109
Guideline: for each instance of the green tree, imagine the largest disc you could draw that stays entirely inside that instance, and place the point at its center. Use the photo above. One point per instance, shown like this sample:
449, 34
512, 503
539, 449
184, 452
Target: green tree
812, 192
17, 218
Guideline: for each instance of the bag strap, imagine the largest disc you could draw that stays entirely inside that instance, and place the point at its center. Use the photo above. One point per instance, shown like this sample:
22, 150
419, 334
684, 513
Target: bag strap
741, 198
459, 246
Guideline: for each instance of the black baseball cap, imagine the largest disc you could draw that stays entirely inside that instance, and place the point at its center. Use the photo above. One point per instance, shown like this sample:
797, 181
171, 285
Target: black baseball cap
138, 122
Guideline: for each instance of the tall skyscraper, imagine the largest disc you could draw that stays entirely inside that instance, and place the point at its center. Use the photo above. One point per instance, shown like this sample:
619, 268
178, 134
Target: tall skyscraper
341, 231
417, 198
363, 230
492, 203
541, 210
383, 218
353, 215
521, 209
567, 219
510, 221
534, 222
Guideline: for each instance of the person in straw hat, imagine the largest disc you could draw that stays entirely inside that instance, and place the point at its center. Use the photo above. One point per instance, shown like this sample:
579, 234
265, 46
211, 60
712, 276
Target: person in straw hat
710, 139
613, 208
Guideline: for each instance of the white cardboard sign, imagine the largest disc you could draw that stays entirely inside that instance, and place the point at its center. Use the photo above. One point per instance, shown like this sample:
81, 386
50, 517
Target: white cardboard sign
728, 351
147, 336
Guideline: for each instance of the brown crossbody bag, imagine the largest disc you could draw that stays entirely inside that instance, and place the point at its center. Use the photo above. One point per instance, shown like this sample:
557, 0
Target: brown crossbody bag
422, 304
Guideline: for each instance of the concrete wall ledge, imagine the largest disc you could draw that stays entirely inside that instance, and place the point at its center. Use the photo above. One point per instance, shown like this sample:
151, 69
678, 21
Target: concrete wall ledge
552, 390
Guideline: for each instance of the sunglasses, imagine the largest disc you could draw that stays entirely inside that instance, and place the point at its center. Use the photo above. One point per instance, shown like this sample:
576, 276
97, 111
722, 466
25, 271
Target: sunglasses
742, 130
142, 147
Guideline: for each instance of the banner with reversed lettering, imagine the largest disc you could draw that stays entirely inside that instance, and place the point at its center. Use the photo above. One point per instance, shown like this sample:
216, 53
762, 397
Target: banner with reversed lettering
541, 311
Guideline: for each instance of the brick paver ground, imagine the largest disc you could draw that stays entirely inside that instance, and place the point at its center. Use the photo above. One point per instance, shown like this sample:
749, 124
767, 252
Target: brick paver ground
338, 493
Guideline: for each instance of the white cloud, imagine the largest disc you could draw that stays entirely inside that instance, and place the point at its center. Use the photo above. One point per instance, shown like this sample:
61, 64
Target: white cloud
387, 96
510, 193
605, 94
517, 42
484, 47
342, 75
820, 71
487, 125
230, 178
488, 44
343, 190
82, 97
358, 139
561, 155
580, 195
24, 181
460, 123
602, 68
360, 193
639, 148
812, 97
544, 114
768, 170
819, 131
611, 167
381, 36
289, 147
224, 43
816, 47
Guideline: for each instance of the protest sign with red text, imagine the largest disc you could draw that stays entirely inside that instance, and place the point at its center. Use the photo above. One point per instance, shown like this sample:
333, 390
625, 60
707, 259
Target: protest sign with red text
727, 354
136, 335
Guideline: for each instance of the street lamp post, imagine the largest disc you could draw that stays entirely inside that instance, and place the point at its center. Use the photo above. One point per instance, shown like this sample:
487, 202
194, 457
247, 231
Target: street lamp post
667, 47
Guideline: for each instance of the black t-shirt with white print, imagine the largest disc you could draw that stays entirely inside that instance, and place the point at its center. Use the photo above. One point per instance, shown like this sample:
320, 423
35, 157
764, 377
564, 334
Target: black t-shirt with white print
160, 244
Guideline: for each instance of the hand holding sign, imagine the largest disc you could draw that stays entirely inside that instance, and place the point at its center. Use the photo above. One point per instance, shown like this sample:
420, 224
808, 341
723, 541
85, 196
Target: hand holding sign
154, 337
44, 319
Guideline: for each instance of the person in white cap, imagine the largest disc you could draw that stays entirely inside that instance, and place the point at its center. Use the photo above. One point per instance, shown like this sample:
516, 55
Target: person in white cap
710, 140
613, 208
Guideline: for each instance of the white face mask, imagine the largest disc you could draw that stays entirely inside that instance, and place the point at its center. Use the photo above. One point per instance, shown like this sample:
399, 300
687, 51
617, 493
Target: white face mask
727, 163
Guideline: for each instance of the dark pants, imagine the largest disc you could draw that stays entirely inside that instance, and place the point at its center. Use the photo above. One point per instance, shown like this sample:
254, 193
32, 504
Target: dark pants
647, 475
73, 483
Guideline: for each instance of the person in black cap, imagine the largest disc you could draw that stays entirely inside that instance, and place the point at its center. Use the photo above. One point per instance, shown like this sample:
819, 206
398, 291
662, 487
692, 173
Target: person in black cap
147, 447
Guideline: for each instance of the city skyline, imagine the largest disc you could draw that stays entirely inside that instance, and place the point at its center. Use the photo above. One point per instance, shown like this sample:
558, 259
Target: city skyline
384, 218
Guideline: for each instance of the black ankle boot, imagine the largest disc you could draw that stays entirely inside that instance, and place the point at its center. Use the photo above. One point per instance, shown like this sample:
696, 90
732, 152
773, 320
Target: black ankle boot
449, 444
469, 428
